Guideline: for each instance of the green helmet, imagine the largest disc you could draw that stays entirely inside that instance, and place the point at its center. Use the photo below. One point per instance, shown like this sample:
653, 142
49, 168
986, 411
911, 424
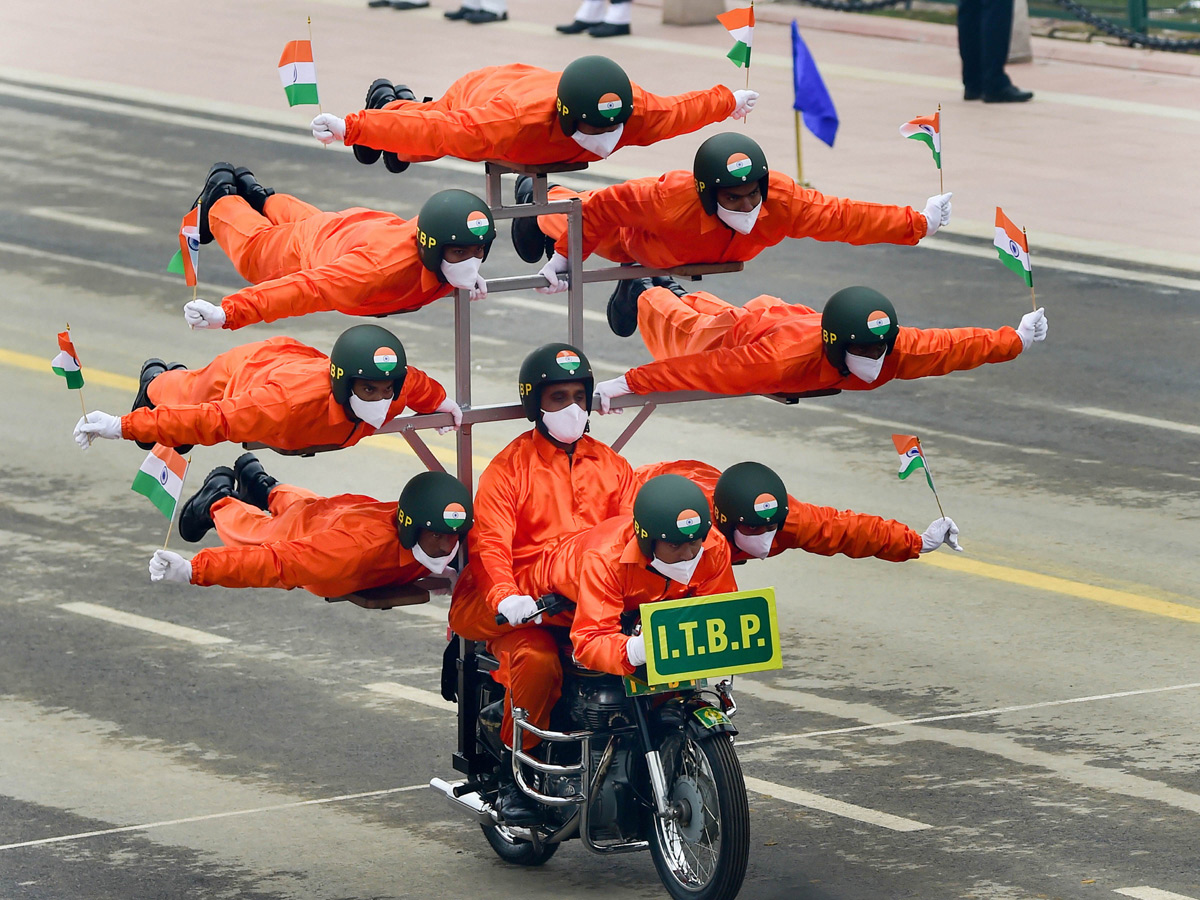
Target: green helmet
553, 364
856, 315
452, 217
595, 90
728, 160
435, 501
749, 494
669, 508
365, 351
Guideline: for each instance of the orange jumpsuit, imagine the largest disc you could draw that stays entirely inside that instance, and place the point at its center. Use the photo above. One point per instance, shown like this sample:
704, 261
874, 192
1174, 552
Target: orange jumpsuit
275, 391
605, 572
508, 113
700, 342
530, 493
330, 546
659, 222
362, 262
815, 529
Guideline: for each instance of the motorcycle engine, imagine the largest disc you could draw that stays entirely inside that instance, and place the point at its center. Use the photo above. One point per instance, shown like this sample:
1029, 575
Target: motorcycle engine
601, 705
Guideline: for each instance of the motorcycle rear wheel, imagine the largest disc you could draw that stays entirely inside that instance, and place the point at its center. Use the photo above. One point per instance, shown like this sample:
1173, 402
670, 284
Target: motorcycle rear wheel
515, 850
705, 857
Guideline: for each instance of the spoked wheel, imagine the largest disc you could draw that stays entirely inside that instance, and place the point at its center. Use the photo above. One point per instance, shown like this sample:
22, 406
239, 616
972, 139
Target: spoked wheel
512, 846
702, 854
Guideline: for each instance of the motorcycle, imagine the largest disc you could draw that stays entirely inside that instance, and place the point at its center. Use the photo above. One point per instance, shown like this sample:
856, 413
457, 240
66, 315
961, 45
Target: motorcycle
626, 766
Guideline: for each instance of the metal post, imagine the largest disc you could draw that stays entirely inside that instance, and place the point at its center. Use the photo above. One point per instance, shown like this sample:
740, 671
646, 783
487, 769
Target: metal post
1138, 15
462, 381
575, 259
493, 197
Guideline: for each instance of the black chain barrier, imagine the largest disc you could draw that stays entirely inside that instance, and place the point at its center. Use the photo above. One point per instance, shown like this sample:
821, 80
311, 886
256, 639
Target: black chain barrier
1131, 37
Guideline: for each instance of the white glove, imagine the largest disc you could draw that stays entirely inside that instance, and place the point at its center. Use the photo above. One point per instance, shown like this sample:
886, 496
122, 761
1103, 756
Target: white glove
941, 531
635, 650
1033, 327
168, 566
743, 103
551, 271
97, 424
202, 314
455, 411
327, 128
479, 292
937, 213
607, 390
518, 608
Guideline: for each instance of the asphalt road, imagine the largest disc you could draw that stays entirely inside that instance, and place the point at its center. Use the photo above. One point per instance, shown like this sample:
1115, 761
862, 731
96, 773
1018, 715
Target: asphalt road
1060, 647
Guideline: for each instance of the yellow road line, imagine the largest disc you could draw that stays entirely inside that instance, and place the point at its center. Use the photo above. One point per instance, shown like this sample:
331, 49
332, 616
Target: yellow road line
1064, 586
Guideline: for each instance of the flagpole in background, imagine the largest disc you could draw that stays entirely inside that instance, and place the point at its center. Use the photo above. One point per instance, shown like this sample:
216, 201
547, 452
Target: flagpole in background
82, 405
812, 104
799, 156
171, 521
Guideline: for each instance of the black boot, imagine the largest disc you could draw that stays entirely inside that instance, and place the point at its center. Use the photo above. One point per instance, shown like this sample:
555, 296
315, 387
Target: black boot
182, 448
516, 808
576, 27
218, 184
195, 519
379, 93
151, 368
528, 240
391, 161
670, 284
623, 305
482, 16
608, 29
250, 190
253, 483
455, 15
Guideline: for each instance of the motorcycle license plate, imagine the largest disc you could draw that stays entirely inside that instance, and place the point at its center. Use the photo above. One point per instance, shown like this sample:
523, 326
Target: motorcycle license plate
635, 687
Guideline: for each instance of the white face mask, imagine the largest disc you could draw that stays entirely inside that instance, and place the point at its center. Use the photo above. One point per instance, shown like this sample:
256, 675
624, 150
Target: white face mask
567, 424
373, 412
863, 367
757, 545
600, 144
741, 222
680, 572
462, 274
436, 565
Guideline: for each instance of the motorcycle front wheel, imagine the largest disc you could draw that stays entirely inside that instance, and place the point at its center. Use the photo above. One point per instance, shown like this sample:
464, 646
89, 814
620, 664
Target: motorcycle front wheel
702, 855
515, 850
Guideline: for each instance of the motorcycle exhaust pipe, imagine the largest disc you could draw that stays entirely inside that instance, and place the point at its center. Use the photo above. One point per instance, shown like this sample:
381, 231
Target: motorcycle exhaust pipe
470, 803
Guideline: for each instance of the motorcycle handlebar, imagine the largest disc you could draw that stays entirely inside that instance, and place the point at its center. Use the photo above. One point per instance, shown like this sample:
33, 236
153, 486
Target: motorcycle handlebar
547, 604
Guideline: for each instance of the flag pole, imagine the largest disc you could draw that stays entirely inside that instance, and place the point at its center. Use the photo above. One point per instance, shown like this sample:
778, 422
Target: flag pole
1032, 295
319, 110
171, 521
80, 391
929, 477
799, 157
941, 153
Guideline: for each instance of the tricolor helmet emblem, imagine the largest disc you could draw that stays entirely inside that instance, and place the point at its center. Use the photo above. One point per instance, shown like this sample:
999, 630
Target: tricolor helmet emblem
386, 359
454, 515
765, 505
739, 165
477, 223
609, 105
567, 360
878, 323
688, 522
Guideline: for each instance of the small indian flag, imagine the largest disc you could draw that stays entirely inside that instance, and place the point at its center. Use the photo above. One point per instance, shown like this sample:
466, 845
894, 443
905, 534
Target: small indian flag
739, 165
609, 105
1013, 247
567, 359
66, 363
160, 479
386, 359
740, 25
186, 261
927, 130
298, 73
688, 522
878, 323
477, 223
765, 505
454, 515
911, 457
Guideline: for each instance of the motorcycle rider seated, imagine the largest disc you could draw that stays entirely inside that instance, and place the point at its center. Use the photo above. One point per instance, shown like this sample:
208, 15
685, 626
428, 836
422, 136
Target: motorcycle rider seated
362, 262
552, 480
283, 536
700, 342
759, 519
281, 392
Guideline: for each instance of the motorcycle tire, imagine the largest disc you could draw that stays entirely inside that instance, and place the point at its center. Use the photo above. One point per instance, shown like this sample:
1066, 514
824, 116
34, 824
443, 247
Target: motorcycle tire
514, 850
704, 858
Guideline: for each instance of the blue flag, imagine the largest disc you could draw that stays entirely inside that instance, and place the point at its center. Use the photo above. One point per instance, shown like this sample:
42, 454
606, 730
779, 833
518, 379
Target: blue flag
812, 98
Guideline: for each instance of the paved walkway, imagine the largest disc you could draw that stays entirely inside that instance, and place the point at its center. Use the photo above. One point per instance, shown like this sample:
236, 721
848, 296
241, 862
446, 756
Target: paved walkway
1103, 162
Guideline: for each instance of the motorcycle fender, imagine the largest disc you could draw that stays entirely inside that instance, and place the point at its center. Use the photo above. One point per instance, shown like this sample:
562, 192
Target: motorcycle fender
706, 721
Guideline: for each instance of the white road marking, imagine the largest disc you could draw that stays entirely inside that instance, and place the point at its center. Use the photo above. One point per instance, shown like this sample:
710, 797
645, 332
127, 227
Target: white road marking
221, 815
1132, 419
416, 695
129, 620
767, 692
558, 309
91, 222
1149, 893
836, 807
